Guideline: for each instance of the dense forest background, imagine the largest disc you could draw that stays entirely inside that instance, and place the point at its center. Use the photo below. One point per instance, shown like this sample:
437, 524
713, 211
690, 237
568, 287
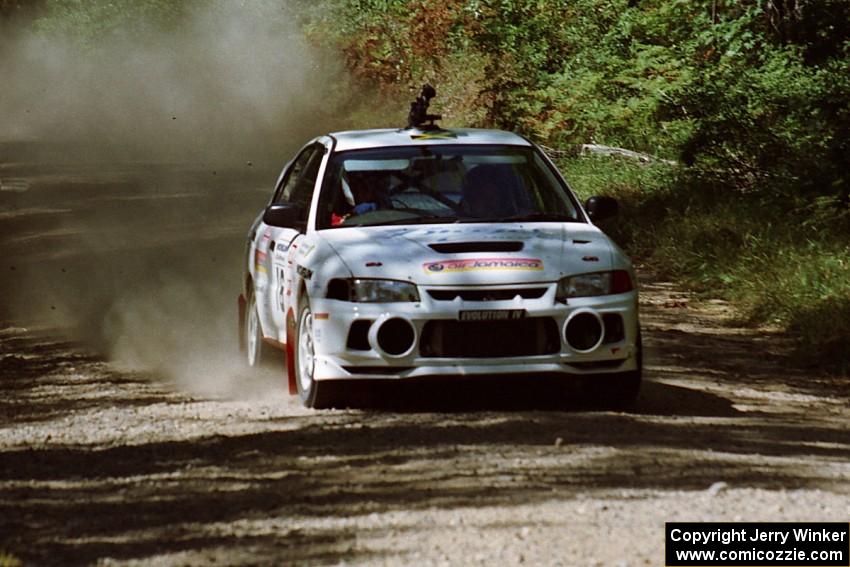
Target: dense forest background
745, 103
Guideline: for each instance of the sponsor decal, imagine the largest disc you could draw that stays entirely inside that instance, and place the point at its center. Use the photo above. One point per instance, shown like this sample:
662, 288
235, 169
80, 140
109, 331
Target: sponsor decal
475, 264
260, 258
439, 135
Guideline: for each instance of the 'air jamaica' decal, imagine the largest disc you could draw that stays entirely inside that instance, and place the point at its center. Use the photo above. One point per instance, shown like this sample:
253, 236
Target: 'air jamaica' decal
451, 266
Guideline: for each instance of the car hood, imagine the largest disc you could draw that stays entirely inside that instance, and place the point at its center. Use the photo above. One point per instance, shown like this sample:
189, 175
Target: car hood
484, 254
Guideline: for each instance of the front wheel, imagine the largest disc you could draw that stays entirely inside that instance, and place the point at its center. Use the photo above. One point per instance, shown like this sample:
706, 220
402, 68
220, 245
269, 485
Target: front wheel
313, 394
256, 350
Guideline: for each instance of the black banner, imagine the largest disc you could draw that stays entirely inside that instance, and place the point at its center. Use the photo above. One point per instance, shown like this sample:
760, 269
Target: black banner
754, 544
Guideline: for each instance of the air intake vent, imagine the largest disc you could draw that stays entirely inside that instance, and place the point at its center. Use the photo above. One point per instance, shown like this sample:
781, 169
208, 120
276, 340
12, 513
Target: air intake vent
460, 247
486, 294
532, 336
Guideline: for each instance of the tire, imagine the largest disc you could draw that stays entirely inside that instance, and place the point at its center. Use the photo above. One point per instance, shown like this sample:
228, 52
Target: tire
313, 393
257, 352
624, 390
618, 391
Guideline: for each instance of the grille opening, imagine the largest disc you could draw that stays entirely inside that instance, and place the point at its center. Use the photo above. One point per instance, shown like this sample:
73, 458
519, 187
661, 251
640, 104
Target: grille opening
614, 330
396, 336
490, 339
583, 332
358, 335
486, 294
460, 247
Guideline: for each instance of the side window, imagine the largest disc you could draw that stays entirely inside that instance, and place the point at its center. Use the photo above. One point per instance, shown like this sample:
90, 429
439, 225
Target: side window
285, 190
302, 190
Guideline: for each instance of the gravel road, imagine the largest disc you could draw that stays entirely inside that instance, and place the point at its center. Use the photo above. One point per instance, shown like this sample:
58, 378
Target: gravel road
107, 463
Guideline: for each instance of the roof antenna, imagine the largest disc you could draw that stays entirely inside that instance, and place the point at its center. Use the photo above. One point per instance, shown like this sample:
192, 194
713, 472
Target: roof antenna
419, 110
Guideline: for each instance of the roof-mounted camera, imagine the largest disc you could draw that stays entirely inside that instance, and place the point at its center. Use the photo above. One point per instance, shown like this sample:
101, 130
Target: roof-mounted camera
419, 111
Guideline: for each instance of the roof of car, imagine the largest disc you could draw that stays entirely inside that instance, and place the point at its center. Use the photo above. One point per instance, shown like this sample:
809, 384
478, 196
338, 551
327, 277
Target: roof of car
363, 139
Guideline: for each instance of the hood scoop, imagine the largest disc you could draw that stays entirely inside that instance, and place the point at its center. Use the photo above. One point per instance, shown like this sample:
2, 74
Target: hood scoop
461, 247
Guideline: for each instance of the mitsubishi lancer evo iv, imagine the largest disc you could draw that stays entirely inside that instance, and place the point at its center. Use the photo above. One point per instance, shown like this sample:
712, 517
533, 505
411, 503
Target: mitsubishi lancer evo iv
426, 252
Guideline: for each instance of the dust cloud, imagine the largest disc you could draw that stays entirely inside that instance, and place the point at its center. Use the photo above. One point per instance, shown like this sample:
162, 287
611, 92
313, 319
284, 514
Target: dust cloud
237, 81
144, 160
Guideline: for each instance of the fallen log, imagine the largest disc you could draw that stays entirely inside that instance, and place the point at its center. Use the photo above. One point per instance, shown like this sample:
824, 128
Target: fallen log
599, 149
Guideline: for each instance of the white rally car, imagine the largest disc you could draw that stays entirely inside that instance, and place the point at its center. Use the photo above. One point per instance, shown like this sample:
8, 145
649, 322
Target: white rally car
401, 253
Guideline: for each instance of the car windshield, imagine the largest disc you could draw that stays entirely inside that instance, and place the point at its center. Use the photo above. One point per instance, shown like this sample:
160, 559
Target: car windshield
442, 184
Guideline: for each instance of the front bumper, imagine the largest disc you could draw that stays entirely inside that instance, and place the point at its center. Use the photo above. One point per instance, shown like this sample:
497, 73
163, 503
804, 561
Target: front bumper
335, 360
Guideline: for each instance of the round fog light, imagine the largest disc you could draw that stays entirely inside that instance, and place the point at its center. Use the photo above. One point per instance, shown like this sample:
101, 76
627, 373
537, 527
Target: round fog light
584, 331
396, 337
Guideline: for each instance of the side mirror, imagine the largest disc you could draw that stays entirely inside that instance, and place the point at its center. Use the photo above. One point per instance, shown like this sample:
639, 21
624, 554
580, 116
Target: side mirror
283, 215
600, 208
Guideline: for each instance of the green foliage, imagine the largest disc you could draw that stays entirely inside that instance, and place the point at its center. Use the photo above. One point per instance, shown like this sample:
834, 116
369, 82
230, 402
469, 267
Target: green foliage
780, 267
7, 560
641, 189
752, 94
392, 41
798, 281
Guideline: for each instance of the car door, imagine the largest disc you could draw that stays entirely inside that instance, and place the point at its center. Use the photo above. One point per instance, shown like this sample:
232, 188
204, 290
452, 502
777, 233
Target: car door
296, 186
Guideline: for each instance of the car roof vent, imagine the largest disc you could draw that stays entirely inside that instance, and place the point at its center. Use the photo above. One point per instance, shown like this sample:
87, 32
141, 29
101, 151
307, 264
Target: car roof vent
460, 247
418, 115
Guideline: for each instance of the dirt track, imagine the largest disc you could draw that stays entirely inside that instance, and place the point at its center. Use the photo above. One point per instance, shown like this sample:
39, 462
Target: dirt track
101, 465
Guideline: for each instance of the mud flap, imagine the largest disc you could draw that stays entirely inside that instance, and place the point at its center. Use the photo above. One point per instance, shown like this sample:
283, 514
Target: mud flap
242, 304
290, 351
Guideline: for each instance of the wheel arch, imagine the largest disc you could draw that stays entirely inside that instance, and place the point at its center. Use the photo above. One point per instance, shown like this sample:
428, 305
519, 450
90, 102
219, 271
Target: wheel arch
242, 311
302, 293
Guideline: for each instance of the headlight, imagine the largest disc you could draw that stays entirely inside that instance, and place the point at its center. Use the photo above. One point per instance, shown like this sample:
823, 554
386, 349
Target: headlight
372, 291
588, 285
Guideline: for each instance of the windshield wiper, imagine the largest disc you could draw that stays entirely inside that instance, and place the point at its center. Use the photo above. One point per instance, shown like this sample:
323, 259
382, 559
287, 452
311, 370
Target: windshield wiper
538, 216
427, 219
